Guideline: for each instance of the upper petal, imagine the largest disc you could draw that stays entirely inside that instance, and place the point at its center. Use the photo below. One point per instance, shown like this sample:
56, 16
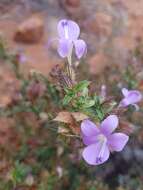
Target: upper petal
125, 91
68, 29
64, 47
80, 48
109, 124
117, 141
88, 128
134, 96
92, 153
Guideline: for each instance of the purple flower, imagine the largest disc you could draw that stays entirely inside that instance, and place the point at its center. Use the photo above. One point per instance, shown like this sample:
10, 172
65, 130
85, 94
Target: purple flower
69, 31
131, 97
22, 58
101, 140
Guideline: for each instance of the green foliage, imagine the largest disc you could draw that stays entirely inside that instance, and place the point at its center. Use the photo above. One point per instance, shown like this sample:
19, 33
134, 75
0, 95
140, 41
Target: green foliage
79, 91
5, 185
79, 99
23, 152
3, 50
129, 77
19, 172
45, 153
81, 86
11, 58
49, 183
52, 91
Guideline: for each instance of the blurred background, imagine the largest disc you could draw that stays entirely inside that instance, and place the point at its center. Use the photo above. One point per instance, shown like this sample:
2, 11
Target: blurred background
113, 31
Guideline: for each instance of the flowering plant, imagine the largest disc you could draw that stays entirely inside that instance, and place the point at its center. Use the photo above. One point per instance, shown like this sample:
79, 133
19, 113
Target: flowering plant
82, 106
91, 117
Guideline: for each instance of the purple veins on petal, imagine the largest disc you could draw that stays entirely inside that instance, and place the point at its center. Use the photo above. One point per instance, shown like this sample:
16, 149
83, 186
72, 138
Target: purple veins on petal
96, 154
68, 29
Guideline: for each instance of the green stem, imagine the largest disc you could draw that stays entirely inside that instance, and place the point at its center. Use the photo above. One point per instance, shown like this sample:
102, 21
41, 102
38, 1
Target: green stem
69, 58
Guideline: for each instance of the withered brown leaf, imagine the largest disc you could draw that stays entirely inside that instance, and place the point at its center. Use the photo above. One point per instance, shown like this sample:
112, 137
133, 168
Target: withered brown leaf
70, 117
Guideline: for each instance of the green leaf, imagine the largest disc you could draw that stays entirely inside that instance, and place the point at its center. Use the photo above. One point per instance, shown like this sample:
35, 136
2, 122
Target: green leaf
100, 114
19, 172
81, 86
85, 91
67, 99
89, 103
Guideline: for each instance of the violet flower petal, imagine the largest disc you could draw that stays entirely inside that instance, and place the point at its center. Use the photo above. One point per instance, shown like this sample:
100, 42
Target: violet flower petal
125, 91
22, 58
117, 141
96, 154
131, 97
64, 47
68, 29
134, 96
80, 48
109, 124
87, 140
124, 102
88, 128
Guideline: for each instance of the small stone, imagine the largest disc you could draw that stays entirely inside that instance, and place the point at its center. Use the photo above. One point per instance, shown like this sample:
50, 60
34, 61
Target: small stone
74, 9
97, 63
101, 24
30, 31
